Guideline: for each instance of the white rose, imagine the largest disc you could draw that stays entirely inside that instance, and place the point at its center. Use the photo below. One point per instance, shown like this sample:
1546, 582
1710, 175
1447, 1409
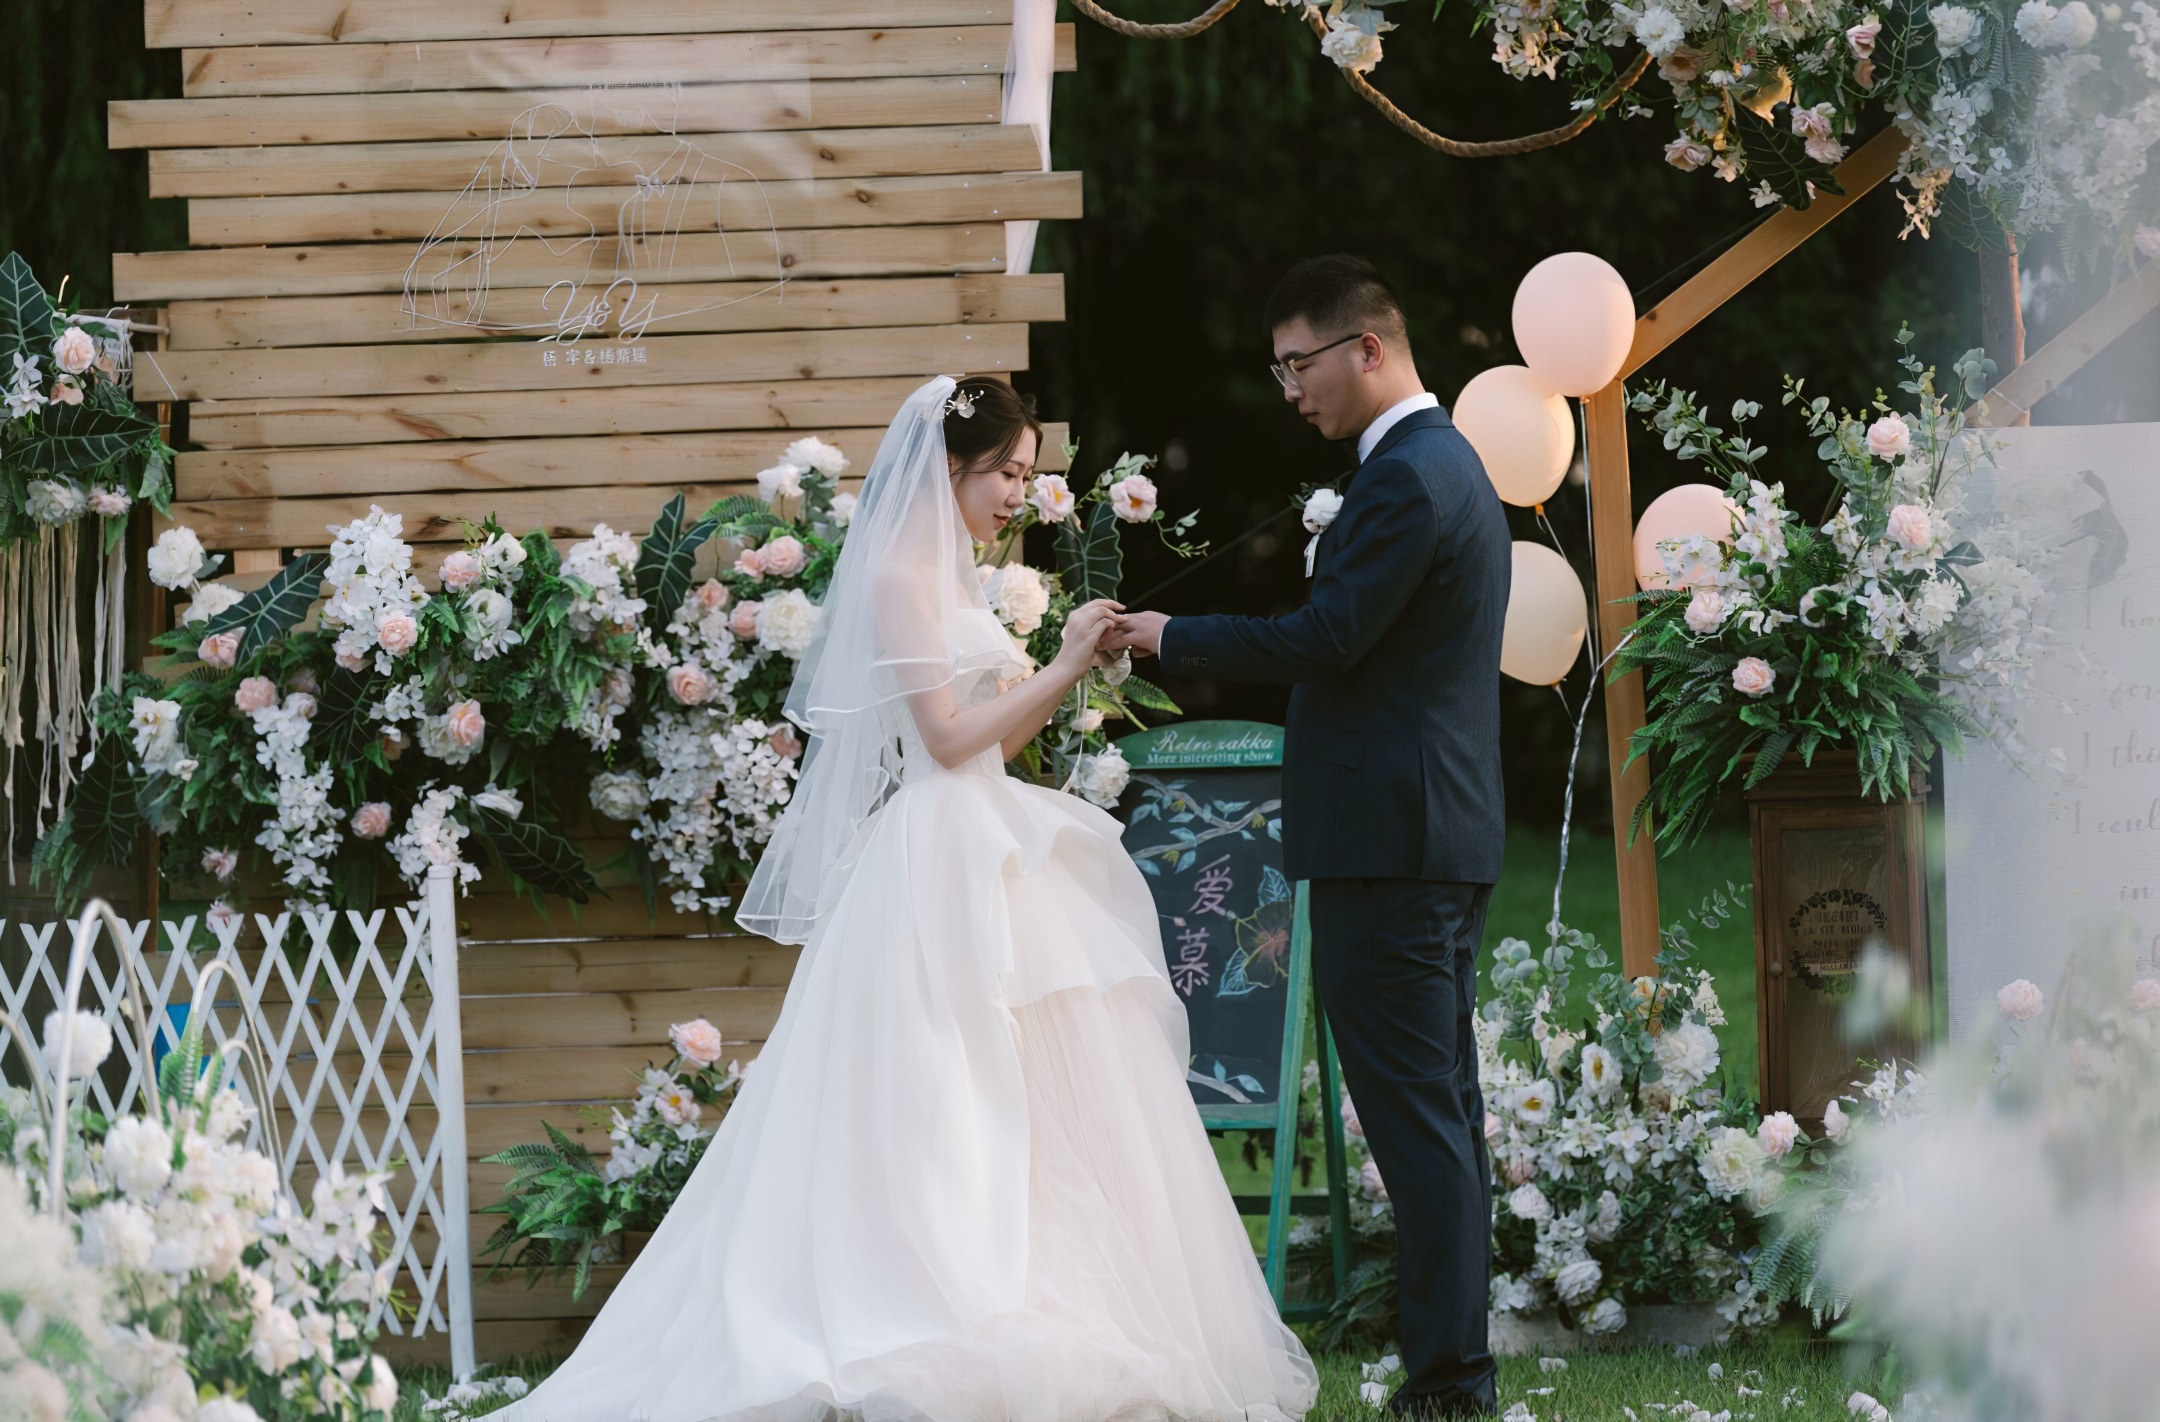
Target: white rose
1688, 1054
380, 1392
1889, 438
1705, 611
1658, 30
74, 352
1088, 721
138, 1154
226, 1409
1733, 1162
91, 1045
1608, 1317
176, 560
1955, 28
210, 600
1835, 1123
1529, 1203
843, 510
1102, 778
782, 481
1778, 1133
1351, 47
814, 453
1018, 595
1321, 507
619, 794
119, 1234
502, 802
788, 623
1578, 1279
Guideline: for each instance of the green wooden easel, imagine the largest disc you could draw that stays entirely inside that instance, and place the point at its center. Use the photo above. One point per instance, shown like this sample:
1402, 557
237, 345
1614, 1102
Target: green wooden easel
1215, 744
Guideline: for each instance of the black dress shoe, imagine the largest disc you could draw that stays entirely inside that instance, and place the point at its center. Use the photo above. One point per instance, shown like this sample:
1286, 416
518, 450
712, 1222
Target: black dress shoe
1429, 1407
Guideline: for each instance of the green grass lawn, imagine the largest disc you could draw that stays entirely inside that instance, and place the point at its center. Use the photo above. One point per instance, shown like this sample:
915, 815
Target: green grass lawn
1781, 1377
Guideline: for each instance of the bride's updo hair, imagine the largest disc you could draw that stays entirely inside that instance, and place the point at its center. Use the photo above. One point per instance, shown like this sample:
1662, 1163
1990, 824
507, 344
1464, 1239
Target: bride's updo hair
988, 437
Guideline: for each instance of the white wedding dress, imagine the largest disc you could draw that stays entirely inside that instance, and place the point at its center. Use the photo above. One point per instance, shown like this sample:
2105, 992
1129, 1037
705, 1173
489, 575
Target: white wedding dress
964, 1181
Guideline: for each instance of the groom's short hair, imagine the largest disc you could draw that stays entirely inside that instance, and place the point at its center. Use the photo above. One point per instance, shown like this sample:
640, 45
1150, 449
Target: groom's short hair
1337, 294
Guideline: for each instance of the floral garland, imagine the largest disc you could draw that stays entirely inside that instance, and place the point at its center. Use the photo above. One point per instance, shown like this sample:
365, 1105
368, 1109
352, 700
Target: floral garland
1887, 631
408, 729
2025, 117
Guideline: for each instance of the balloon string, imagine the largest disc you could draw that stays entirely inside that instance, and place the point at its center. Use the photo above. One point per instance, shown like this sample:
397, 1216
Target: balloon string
1567, 801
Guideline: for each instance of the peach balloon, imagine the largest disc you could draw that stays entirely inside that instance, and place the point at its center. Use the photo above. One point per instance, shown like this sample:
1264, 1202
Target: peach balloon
1679, 512
1574, 322
1548, 617
1522, 432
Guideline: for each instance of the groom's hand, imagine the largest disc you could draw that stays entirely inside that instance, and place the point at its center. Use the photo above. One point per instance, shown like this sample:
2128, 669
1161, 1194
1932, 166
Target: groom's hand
1138, 631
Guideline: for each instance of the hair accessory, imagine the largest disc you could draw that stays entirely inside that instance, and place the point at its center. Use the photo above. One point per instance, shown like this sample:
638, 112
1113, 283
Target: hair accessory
962, 404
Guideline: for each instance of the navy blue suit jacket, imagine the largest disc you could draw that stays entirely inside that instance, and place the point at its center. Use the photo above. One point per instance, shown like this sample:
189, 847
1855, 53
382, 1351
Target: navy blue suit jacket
1391, 765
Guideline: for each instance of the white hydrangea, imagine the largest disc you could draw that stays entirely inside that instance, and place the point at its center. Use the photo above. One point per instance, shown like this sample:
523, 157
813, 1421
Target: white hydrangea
433, 835
370, 577
607, 564
51, 502
487, 621
210, 600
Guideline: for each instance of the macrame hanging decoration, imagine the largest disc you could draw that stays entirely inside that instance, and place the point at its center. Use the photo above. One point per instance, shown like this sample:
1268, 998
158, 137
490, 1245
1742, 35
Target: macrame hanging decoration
43, 698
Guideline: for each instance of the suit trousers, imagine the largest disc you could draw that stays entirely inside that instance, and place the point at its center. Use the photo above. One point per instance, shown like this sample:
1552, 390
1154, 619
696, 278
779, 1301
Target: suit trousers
1396, 963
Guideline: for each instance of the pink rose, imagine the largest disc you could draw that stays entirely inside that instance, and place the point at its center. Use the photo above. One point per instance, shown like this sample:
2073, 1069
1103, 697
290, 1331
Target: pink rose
465, 724
392, 741
750, 563
350, 661
785, 743
220, 649
1686, 154
743, 620
223, 918
1132, 498
74, 352
784, 556
66, 390
1680, 67
1777, 1133
690, 684
257, 693
1350, 1122
220, 863
110, 503
1861, 37
2145, 995
303, 680
396, 633
1521, 1170
1705, 611
461, 570
711, 595
1753, 677
372, 820
697, 1042
1493, 1126
1889, 438
301, 704
1909, 526
1370, 1182
2020, 1001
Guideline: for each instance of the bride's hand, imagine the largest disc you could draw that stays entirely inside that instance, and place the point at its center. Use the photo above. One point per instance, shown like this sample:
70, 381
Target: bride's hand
1084, 630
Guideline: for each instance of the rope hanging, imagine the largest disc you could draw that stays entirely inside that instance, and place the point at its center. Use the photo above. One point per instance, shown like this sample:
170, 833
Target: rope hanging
1132, 29
1454, 147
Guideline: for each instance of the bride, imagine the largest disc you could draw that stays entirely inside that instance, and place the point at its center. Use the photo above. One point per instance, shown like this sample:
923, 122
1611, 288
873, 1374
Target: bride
964, 1181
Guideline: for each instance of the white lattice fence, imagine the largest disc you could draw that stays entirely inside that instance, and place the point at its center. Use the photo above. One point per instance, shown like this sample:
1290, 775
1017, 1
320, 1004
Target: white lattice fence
358, 1036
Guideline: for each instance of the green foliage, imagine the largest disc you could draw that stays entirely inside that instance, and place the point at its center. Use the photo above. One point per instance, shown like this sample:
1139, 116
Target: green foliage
1091, 561
535, 856
76, 439
26, 313
665, 557
275, 608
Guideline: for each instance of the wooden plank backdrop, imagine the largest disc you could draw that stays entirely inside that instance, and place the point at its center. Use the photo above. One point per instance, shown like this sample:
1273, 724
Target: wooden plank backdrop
551, 260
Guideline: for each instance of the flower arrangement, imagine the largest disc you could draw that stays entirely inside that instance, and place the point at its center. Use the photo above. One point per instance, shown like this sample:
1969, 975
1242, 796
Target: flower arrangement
566, 1212
2021, 115
185, 1281
1889, 631
1623, 1171
72, 444
410, 728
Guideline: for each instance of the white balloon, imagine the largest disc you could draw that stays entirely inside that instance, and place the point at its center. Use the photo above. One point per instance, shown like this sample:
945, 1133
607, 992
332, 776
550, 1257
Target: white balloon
1574, 322
1522, 432
1548, 617
1680, 512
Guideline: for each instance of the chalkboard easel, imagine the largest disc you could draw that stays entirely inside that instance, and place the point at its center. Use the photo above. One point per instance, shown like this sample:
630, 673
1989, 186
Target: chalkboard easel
1203, 820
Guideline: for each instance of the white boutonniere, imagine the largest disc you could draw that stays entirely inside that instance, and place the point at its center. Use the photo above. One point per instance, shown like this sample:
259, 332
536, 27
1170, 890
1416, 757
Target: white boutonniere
1321, 506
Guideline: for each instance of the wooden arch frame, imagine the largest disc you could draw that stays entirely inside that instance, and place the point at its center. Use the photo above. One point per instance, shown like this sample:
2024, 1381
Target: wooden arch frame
1612, 519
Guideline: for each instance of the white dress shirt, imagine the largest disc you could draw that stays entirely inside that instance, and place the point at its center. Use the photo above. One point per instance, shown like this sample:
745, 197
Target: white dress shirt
1377, 430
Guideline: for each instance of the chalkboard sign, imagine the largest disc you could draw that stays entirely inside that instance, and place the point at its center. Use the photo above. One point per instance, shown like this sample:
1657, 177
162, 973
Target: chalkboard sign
1203, 820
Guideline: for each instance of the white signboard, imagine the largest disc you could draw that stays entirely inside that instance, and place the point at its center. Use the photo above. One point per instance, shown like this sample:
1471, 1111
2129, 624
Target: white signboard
2043, 861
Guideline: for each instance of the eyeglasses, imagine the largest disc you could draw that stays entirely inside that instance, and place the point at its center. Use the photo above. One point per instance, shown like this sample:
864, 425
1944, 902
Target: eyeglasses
1286, 371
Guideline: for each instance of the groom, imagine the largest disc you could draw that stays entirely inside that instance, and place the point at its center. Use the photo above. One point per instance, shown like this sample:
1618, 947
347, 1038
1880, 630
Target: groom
1391, 786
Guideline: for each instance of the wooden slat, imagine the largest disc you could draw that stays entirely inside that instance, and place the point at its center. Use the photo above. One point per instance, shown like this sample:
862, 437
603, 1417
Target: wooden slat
481, 469
562, 63
170, 24
507, 1340
750, 211
265, 119
781, 406
519, 364
288, 322
615, 1019
553, 154
213, 273
560, 513
2045, 371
